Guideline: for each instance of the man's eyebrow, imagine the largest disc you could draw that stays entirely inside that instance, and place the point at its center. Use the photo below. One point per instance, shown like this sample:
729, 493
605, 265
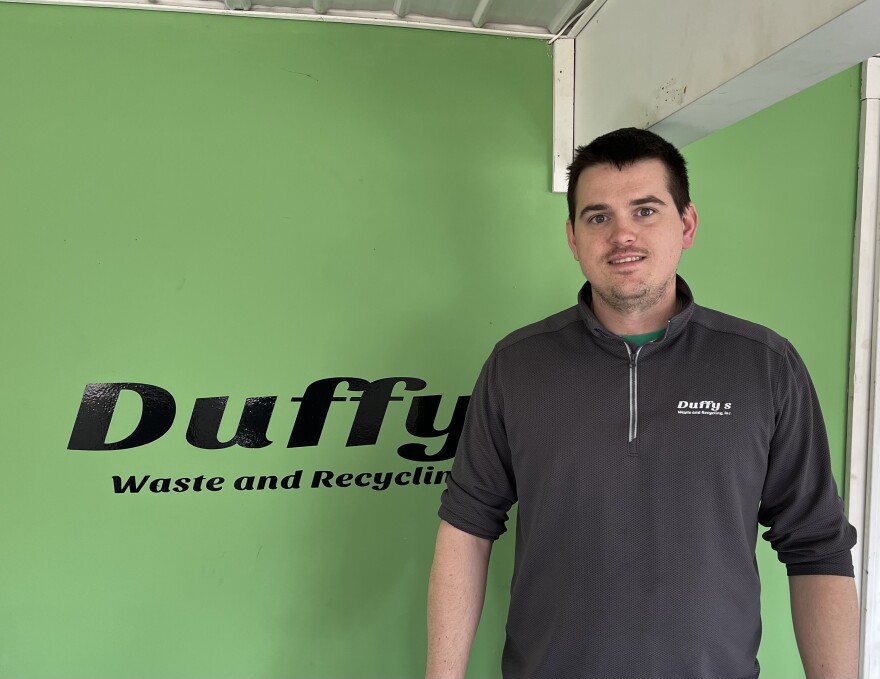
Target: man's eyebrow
595, 207
646, 200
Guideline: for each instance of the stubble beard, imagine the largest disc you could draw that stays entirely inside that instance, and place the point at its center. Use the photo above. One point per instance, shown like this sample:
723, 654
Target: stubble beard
628, 302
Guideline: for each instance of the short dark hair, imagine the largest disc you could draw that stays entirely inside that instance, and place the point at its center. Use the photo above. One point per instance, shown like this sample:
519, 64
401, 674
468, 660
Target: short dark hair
625, 147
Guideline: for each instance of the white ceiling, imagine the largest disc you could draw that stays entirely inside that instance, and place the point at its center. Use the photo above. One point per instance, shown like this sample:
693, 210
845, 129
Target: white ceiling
526, 18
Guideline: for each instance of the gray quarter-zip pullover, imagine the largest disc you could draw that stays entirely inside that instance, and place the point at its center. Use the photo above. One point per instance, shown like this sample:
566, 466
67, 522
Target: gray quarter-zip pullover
641, 477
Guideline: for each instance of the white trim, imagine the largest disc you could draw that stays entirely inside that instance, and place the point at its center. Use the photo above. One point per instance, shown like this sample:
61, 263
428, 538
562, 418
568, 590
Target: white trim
862, 474
563, 16
563, 111
267, 12
586, 17
481, 13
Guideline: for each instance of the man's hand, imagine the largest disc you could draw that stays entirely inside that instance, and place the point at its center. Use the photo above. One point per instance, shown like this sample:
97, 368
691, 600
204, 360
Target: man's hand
825, 612
455, 600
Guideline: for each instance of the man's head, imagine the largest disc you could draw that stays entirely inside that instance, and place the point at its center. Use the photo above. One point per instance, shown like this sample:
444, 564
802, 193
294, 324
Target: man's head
625, 147
630, 219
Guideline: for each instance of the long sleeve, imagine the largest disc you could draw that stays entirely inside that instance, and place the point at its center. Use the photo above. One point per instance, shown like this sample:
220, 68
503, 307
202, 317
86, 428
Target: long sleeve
481, 487
800, 504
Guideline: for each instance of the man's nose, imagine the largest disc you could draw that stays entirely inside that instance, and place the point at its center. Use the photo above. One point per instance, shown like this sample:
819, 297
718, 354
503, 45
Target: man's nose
624, 232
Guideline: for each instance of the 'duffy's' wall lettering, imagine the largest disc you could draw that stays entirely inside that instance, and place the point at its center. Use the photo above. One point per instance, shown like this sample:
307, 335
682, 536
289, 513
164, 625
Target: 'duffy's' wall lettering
159, 410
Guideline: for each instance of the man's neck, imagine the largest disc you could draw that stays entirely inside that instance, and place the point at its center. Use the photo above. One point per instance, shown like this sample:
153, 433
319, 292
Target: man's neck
638, 322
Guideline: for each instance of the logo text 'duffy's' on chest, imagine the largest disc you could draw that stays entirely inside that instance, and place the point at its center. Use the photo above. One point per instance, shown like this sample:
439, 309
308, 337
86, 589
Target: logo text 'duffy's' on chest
372, 397
704, 408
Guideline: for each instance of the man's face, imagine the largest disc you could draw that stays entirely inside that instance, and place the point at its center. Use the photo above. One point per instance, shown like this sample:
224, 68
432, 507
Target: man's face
628, 234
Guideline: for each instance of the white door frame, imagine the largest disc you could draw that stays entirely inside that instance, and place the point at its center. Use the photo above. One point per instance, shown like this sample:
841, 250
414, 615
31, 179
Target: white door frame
862, 475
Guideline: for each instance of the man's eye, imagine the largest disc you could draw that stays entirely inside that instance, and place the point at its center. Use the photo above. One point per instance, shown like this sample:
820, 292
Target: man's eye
646, 211
598, 219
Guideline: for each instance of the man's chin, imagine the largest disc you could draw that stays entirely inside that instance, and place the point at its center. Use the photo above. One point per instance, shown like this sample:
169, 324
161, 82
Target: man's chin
629, 299
628, 294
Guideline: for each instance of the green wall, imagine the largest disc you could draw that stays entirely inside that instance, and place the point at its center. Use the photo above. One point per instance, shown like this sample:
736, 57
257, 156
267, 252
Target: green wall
241, 207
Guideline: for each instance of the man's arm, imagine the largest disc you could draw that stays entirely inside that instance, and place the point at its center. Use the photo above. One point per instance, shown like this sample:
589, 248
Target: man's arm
825, 613
455, 600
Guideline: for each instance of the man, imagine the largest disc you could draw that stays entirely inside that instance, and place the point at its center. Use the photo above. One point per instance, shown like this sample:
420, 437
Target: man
644, 438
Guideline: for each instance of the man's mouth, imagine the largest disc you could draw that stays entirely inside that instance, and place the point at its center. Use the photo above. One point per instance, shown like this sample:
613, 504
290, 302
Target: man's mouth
627, 259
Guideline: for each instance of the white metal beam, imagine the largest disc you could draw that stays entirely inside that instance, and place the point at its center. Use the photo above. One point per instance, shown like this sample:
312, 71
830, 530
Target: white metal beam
481, 12
863, 472
401, 8
320, 6
563, 111
839, 44
700, 66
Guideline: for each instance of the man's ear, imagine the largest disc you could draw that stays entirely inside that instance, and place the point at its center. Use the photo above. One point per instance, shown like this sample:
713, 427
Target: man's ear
572, 245
690, 220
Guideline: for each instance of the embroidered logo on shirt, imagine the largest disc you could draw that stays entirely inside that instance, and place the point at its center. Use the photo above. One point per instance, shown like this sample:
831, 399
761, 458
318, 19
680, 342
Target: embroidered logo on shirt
703, 408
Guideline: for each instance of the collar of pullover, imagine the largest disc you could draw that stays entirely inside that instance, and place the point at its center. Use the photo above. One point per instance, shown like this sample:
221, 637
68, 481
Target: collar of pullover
675, 325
